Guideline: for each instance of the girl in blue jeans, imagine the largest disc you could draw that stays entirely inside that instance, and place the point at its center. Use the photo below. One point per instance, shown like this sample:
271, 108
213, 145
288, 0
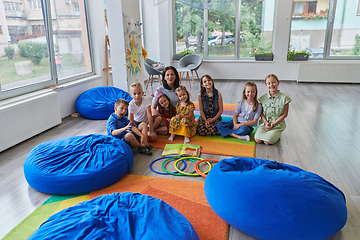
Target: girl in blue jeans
246, 115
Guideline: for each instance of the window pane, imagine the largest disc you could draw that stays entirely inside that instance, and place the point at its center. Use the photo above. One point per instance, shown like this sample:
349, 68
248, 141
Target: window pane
257, 21
221, 35
23, 40
189, 28
72, 55
345, 39
308, 30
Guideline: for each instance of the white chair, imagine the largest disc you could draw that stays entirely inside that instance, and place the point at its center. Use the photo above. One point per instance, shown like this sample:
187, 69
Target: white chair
191, 62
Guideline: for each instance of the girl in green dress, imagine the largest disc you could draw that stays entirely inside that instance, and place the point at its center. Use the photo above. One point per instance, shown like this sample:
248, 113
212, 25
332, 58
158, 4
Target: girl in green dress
275, 107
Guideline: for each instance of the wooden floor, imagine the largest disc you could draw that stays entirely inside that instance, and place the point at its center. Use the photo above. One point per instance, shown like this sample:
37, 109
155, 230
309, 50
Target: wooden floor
322, 136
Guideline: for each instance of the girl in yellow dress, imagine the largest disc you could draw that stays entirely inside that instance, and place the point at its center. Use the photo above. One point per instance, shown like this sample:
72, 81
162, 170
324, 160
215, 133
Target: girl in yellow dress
183, 123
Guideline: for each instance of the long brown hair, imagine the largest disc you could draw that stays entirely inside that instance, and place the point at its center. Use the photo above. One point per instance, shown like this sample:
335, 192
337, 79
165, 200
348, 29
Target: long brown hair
161, 109
177, 78
202, 89
181, 88
251, 84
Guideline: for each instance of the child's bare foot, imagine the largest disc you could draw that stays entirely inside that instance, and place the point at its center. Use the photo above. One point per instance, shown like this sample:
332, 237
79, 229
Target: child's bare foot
245, 137
186, 139
171, 138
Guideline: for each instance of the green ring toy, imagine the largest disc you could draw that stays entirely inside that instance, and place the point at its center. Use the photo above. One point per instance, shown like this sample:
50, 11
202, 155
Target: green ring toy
175, 174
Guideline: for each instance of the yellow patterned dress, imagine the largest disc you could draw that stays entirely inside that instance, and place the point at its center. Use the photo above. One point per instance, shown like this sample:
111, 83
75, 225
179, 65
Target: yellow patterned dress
183, 126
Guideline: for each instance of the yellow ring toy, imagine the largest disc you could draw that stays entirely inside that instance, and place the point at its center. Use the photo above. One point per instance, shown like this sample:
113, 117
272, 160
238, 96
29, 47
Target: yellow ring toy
190, 174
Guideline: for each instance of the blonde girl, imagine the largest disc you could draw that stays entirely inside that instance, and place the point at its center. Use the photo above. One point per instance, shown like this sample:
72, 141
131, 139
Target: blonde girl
210, 106
246, 115
183, 122
275, 106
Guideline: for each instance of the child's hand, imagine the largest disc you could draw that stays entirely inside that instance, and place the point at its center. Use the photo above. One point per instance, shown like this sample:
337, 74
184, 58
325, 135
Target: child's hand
268, 126
207, 123
236, 126
178, 117
143, 141
152, 136
168, 119
128, 127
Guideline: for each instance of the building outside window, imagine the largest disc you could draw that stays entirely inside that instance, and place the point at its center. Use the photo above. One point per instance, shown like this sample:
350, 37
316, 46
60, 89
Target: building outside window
64, 47
312, 31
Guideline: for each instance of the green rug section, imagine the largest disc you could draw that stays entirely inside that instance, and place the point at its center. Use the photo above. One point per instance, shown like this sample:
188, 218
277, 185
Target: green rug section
30, 224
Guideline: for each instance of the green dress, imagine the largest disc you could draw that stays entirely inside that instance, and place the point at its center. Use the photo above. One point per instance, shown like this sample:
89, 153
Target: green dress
273, 108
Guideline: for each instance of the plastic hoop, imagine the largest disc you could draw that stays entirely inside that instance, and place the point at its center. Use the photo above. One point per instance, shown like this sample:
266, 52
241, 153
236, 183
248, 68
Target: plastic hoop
177, 173
190, 174
205, 160
151, 168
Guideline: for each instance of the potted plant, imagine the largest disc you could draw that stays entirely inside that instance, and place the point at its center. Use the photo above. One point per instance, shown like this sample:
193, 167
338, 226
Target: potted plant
264, 56
182, 54
298, 55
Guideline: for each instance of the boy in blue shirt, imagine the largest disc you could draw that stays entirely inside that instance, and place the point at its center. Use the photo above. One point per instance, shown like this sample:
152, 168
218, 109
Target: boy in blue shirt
119, 126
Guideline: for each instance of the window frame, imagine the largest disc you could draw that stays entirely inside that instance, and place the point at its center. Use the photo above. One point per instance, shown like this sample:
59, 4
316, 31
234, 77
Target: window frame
53, 80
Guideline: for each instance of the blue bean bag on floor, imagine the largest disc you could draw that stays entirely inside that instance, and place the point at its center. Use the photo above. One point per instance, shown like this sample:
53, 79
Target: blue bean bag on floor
271, 200
77, 164
118, 216
98, 103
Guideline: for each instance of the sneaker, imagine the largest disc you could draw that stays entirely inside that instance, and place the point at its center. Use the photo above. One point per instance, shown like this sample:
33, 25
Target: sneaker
149, 147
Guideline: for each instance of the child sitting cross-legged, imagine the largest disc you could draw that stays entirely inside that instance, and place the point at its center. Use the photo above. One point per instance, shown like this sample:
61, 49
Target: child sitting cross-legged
140, 112
119, 126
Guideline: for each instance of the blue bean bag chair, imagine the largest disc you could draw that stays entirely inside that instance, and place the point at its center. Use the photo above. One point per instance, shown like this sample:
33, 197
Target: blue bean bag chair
271, 200
77, 164
98, 103
118, 216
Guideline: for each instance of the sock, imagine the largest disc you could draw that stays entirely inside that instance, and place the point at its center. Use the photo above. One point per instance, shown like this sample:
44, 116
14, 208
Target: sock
245, 137
171, 138
186, 139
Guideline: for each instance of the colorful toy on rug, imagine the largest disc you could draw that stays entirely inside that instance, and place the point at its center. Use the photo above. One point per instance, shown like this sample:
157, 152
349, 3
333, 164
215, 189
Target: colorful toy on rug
270, 200
77, 164
118, 216
98, 103
181, 172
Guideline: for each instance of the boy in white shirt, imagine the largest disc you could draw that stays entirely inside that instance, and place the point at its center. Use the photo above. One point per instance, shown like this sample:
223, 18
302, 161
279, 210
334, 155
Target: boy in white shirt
140, 112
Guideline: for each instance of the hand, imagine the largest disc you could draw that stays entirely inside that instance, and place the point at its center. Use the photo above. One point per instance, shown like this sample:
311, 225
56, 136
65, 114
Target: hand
152, 136
143, 141
128, 127
207, 123
268, 126
178, 117
168, 119
236, 126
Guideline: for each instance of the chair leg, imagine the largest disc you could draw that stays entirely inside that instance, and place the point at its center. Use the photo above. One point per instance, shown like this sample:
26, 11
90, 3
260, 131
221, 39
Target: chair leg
160, 80
180, 77
147, 84
197, 75
188, 78
152, 77
192, 73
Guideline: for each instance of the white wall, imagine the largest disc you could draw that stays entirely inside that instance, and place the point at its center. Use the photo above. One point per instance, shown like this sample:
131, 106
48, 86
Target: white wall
158, 31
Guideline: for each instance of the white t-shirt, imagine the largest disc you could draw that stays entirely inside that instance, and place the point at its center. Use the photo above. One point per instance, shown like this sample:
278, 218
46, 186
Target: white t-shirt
140, 111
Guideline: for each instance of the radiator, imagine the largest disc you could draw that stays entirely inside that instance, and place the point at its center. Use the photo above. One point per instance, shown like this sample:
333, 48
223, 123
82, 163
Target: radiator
27, 117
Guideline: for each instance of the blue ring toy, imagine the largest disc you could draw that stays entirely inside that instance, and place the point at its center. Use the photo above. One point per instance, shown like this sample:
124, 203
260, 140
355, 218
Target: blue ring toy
162, 172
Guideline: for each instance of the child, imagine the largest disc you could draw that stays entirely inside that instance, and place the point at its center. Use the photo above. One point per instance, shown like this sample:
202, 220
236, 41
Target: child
166, 111
183, 122
275, 109
246, 115
211, 107
119, 126
140, 111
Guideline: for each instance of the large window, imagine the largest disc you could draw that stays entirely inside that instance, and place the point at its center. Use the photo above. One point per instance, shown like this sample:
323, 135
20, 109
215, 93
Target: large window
38, 52
312, 29
226, 29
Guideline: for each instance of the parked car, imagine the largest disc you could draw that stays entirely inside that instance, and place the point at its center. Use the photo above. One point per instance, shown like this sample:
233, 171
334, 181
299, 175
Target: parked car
192, 41
216, 40
317, 52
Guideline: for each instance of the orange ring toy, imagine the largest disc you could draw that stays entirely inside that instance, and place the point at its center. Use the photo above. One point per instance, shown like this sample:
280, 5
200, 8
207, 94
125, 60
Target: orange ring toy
205, 160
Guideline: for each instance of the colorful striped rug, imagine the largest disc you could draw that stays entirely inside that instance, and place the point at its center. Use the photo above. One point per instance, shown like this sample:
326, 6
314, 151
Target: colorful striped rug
185, 196
216, 145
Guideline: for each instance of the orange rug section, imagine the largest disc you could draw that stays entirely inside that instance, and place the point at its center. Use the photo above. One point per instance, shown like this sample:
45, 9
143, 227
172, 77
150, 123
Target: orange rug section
185, 196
